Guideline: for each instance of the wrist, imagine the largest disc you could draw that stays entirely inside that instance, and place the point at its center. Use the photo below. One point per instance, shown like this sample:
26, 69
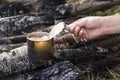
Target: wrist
111, 24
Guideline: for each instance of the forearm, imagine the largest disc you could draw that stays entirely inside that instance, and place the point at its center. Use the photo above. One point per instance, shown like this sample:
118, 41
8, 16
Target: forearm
111, 24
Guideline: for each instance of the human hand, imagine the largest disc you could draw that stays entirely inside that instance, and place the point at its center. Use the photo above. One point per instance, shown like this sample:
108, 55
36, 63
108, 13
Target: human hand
88, 28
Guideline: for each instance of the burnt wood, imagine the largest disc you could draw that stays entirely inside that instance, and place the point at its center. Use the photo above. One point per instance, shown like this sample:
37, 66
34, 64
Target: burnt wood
17, 60
107, 41
84, 51
75, 8
13, 39
18, 24
7, 47
60, 71
36, 7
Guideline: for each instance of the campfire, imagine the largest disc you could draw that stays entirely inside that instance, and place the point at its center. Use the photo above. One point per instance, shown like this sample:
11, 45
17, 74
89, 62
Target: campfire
74, 58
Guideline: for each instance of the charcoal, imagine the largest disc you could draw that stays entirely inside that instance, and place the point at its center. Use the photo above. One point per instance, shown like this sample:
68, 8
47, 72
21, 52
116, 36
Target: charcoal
60, 71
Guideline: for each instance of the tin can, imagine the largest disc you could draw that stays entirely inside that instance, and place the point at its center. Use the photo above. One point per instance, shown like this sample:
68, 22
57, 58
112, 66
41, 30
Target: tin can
39, 49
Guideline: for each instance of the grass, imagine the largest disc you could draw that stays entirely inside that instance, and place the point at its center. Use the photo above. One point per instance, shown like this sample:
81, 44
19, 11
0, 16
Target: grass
111, 11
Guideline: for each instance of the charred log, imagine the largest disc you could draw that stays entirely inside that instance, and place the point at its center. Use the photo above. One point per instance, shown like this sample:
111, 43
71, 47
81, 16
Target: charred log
63, 46
60, 71
7, 47
13, 25
20, 55
97, 5
13, 9
17, 60
36, 7
14, 39
108, 41
64, 39
84, 51
5, 41
68, 40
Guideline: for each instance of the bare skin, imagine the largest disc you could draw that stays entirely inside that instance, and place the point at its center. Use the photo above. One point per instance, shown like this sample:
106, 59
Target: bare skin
95, 26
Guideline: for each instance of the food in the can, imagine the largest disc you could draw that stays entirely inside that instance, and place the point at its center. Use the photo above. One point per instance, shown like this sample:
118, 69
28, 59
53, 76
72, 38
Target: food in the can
43, 38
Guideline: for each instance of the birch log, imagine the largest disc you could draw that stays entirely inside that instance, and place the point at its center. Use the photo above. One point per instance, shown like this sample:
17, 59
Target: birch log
17, 60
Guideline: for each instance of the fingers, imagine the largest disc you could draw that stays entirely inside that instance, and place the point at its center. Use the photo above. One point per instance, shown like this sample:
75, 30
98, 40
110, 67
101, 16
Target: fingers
90, 33
76, 31
84, 34
87, 28
76, 25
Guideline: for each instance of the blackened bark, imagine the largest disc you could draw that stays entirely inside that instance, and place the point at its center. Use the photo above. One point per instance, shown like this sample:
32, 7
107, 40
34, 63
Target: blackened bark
14, 39
18, 24
84, 51
111, 40
60, 71
7, 47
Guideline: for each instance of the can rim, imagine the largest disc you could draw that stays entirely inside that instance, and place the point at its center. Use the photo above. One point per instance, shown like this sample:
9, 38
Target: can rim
33, 33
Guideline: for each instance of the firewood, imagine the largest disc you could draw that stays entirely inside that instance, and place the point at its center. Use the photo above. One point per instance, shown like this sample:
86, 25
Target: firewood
75, 8
65, 70
106, 41
15, 24
63, 46
64, 39
111, 40
14, 39
69, 41
36, 7
84, 51
7, 47
96, 5
10, 61
5, 41
47, 29
17, 60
